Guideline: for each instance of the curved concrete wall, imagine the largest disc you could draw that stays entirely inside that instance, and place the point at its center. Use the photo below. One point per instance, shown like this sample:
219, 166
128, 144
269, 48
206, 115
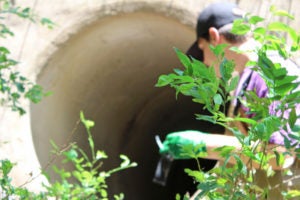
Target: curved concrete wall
109, 70
104, 58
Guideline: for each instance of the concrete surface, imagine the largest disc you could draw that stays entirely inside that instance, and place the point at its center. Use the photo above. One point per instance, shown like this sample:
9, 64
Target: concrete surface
104, 58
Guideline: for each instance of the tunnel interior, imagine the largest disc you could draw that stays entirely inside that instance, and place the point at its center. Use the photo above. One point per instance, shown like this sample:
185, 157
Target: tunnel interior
108, 70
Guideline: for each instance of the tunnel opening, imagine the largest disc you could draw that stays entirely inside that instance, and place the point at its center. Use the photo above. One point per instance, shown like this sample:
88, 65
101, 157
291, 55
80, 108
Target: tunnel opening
108, 70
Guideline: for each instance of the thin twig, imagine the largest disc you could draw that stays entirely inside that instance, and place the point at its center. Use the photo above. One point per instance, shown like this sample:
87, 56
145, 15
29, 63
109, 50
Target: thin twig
67, 145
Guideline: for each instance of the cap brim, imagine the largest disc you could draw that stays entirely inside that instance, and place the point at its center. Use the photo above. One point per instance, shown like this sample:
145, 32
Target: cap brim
195, 52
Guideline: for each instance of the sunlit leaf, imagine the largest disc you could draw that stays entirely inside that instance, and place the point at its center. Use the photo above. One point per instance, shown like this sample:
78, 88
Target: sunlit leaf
125, 161
255, 19
86, 122
100, 155
291, 194
218, 99
219, 49
225, 150
279, 12
35, 94
240, 27
279, 158
196, 174
185, 60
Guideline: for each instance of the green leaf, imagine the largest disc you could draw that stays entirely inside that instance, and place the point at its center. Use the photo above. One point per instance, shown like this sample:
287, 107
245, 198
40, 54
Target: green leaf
164, 80
22, 192
226, 69
4, 31
185, 60
192, 150
269, 170
25, 13
6, 166
103, 194
205, 118
15, 95
199, 176
296, 128
20, 87
201, 70
279, 158
20, 110
294, 136
125, 162
251, 63
179, 72
233, 83
219, 49
248, 152
284, 89
282, 52
4, 50
54, 146
291, 194
255, 19
6, 5
278, 26
35, 94
259, 33
283, 13
266, 66
119, 197
88, 123
71, 154
286, 80
100, 155
47, 22
296, 41
236, 49
222, 181
267, 127
187, 89
246, 120
218, 99
61, 172
240, 27
287, 142
225, 150
177, 197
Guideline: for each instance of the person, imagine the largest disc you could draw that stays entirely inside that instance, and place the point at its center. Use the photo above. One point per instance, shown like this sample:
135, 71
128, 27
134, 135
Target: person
214, 26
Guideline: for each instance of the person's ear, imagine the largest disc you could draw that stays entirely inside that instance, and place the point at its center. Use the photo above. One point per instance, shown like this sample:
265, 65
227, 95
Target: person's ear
214, 36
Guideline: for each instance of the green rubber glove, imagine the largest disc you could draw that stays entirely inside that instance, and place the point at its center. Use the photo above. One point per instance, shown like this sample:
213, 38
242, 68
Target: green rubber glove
175, 143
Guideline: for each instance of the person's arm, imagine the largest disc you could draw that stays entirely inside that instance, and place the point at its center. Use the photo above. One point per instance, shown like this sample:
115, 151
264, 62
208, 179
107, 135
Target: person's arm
175, 141
212, 141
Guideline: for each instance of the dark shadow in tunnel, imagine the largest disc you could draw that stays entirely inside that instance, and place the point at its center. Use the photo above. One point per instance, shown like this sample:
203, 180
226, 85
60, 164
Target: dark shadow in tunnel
164, 114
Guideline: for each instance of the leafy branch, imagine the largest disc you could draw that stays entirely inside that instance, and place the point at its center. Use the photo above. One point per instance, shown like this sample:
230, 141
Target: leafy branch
14, 86
201, 83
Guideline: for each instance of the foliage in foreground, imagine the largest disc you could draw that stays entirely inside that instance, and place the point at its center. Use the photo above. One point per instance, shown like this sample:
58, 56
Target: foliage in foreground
202, 84
13, 85
85, 181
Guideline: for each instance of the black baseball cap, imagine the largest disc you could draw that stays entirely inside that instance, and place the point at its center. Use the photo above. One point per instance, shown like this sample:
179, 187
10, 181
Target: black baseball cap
215, 15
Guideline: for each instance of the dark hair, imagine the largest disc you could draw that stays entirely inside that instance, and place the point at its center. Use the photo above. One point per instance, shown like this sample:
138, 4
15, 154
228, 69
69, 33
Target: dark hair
229, 36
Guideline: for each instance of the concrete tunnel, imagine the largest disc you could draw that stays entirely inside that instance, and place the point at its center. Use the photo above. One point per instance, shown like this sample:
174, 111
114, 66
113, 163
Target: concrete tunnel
108, 70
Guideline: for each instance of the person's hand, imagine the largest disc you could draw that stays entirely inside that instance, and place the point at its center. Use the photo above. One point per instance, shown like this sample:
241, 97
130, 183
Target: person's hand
176, 143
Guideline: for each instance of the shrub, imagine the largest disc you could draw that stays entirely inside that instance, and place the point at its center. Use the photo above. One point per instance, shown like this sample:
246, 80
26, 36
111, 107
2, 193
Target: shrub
201, 83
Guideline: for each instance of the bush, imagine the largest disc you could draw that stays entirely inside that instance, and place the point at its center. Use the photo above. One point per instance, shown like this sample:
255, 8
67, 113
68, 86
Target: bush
85, 181
201, 83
